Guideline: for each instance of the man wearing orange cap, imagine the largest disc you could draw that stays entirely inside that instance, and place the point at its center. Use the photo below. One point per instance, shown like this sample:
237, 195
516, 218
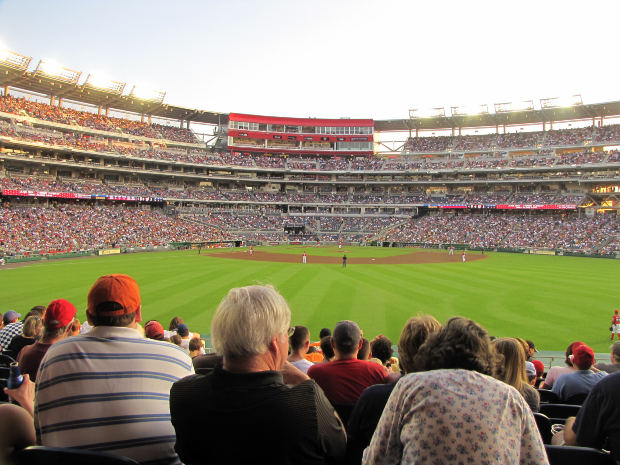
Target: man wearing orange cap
57, 324
108, 390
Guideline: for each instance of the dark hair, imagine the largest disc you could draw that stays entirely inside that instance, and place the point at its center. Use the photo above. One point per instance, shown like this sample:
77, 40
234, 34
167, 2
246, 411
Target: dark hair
326, 347
381, 348
37, 310
176, 321
194, 344
364, 351
569, 352
325, 332
176, 339
299, 337
115, 320
461, 343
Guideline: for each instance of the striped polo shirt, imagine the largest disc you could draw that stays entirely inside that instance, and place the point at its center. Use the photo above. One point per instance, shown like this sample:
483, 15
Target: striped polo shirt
109, 391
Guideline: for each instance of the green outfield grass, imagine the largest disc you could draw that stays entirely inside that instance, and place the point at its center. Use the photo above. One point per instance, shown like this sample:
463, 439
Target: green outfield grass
551, 300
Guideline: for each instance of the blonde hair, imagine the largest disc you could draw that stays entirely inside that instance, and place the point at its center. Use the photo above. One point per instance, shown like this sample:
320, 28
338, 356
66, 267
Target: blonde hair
413, 335
32, 326
512, 371
247, 319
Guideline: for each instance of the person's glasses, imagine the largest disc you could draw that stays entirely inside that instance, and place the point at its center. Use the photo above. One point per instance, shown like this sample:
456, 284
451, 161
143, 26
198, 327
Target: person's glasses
291, 330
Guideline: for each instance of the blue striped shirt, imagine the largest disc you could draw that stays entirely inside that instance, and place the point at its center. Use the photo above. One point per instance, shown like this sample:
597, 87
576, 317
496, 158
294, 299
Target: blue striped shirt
109, 391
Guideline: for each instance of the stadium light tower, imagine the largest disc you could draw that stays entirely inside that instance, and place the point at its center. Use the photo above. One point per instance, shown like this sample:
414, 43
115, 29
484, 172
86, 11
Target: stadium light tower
556, 102
13, 59
51, 69
99, 82
147, 94
506, 107
470, 110
438, 112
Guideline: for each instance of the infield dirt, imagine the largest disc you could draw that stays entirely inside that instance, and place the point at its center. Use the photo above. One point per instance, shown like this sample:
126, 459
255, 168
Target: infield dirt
406, 259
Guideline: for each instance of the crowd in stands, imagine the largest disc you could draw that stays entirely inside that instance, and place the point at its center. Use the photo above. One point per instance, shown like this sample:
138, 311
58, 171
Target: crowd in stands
153, 151
57, 114
73, 227
342, 399
569, 232
255, 196
524, 140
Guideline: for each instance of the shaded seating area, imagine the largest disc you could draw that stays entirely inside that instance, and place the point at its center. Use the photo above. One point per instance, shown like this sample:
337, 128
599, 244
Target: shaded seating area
43, 455
573, 455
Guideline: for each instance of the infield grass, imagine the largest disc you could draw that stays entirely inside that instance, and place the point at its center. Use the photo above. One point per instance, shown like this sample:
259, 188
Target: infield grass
551, 300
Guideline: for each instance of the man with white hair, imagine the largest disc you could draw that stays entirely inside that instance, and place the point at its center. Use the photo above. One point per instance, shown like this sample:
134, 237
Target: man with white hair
243, 412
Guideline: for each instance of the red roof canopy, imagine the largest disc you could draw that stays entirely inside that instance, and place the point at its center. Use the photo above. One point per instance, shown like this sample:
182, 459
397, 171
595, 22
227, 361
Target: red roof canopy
301, 121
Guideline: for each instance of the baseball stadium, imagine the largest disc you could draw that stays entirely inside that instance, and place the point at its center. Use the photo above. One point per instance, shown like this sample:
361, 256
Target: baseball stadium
506, 215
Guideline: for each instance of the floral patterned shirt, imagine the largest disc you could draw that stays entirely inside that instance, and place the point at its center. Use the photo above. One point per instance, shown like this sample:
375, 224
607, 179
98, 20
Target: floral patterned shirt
455, 417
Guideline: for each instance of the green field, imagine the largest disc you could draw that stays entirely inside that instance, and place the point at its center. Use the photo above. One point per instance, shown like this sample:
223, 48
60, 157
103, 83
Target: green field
551, 300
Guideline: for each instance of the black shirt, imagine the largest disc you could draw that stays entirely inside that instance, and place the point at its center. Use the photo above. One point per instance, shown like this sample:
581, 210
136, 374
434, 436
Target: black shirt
598, 421
231, 418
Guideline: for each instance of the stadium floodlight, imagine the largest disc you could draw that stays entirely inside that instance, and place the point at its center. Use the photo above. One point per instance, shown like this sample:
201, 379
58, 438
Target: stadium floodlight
557, 102
470, 110
13, 59
523, 105
53, 70
99, 82
148, 94
438, 112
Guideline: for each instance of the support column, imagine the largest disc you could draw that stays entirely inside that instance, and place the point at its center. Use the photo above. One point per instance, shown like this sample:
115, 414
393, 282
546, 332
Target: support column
6, 90
52, 100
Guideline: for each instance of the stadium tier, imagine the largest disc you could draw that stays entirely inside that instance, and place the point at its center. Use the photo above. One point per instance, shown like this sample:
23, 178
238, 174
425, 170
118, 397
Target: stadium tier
276, 179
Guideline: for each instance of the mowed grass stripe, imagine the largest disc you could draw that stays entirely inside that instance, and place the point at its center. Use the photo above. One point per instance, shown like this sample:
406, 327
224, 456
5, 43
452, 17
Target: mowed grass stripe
553, 300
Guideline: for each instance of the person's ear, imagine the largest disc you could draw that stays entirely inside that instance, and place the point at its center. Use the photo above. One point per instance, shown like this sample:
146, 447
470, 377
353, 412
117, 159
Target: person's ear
139, 314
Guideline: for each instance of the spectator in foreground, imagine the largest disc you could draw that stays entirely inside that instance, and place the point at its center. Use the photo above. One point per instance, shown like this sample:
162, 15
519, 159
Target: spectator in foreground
555, 372
299, 343
327, 349
580, 381
109, 390
598, 421
154, 330
195, 347
31, 331
247, 397
453, 410
344, 379
57, 325
369, 407
512, 370
614, 359
11, 328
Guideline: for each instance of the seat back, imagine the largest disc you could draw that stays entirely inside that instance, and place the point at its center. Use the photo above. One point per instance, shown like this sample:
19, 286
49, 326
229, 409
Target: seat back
560, 411
577, 399
572, 455
544, 427
44, 455
547, 396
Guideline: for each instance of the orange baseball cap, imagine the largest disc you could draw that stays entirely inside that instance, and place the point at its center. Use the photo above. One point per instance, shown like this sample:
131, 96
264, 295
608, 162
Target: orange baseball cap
118, 288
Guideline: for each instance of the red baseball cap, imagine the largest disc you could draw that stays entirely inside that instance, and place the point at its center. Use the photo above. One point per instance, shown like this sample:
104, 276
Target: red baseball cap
118, 288
154, 330
58, 314
583, 356
540, 367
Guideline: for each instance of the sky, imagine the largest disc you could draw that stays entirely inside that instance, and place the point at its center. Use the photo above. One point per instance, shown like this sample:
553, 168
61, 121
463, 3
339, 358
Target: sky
329, 58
